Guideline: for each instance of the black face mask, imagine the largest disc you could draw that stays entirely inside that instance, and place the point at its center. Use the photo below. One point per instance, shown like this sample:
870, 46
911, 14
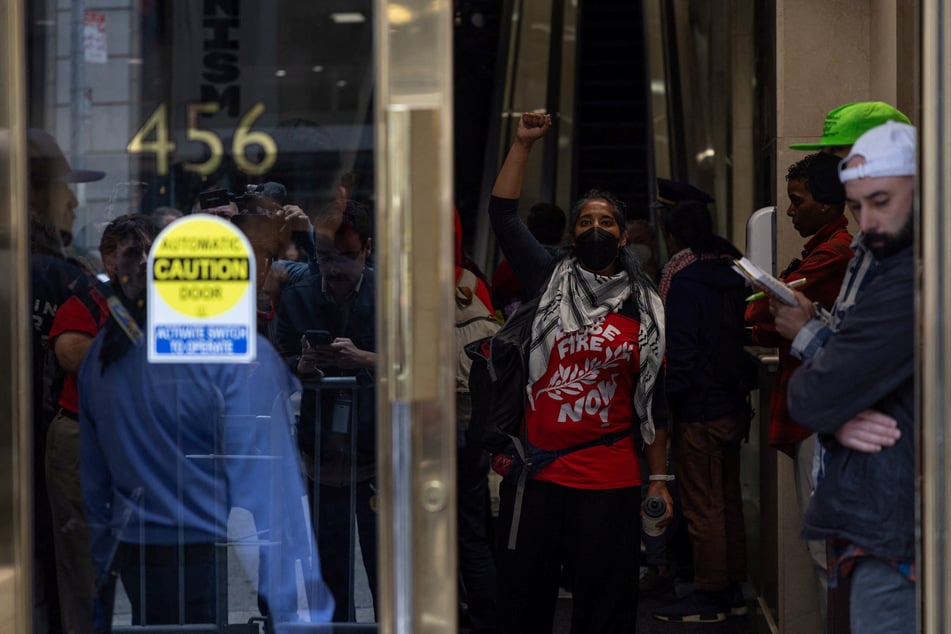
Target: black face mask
596, 249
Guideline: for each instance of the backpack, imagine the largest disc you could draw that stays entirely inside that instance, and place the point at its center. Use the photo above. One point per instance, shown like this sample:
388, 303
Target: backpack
474, 322
497, 379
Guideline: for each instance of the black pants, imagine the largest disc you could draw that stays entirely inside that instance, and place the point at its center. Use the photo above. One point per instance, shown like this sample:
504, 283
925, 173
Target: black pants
476, 562
150, 575
332, 523
593, 535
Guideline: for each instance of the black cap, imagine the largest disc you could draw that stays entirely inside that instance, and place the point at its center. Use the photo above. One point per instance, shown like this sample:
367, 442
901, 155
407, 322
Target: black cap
671, 192
48, 165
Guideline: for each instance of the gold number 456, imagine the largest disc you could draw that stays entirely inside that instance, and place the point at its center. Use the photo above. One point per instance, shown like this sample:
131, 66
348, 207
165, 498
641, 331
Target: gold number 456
156, 126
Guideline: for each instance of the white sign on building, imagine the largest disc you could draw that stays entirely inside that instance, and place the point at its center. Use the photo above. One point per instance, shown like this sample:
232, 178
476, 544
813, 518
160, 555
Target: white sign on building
94, 35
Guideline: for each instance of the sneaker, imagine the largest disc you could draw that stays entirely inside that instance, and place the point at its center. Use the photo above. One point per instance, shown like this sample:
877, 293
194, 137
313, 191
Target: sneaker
697, 607
736, 602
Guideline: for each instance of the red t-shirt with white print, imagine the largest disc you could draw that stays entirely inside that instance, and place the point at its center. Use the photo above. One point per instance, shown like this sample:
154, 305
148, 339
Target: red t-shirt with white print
587, 392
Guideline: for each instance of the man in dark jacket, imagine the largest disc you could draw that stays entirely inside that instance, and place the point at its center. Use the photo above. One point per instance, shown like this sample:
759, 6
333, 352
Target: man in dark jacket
54, 278
703, 301
337, 418
859, 396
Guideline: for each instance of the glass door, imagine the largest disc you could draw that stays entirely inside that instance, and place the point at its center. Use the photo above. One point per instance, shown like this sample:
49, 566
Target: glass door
317, 137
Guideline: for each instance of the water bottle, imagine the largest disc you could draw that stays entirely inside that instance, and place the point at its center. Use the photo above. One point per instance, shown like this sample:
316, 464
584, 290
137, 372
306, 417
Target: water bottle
654, 509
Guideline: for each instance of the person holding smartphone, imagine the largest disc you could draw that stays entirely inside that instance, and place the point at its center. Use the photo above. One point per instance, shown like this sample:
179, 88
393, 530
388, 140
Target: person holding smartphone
327, 333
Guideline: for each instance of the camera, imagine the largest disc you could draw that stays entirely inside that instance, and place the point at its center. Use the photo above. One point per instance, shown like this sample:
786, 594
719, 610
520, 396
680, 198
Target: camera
260, 199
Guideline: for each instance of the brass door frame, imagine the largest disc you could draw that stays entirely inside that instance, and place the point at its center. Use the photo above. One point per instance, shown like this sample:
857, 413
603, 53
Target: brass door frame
933, 307
16, 464
415, 325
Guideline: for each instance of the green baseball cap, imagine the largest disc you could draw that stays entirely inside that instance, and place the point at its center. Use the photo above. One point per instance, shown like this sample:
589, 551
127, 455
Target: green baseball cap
845, 124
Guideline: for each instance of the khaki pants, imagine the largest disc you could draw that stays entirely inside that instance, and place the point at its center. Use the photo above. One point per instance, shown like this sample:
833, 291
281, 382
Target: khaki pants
805, 485
708, 476
74, 568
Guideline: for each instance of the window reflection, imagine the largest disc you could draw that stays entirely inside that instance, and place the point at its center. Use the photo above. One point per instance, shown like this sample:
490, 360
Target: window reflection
166, 102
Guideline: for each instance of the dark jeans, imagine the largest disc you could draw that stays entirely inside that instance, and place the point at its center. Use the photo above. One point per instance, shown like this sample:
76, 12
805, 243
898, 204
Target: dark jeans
336, 544
883, 600
150, 575
708, 474
476, 562
591, 535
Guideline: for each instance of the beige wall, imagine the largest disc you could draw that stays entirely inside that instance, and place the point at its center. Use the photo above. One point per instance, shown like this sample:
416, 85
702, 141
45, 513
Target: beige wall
828, 53
742, 73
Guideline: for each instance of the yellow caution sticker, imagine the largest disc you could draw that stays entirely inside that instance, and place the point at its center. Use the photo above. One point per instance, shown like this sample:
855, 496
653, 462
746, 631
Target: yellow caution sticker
201, 292
201, 269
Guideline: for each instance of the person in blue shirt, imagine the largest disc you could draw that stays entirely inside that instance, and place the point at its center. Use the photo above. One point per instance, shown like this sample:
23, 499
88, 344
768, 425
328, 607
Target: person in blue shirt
167, 450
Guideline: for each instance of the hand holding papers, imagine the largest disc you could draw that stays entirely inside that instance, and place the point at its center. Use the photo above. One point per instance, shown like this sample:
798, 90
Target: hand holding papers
775, 287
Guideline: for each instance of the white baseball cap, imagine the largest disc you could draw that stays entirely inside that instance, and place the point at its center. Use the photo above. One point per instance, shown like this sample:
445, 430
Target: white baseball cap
890, 149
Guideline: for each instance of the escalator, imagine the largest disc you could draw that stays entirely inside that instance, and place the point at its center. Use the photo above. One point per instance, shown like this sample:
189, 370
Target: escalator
594, 56
612, 142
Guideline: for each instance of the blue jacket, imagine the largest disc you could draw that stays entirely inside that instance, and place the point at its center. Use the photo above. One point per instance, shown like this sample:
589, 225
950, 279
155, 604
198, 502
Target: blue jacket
868, 499
168, 449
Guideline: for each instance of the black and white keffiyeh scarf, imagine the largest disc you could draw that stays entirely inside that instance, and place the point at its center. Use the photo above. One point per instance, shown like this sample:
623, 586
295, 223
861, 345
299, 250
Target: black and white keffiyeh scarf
576, 298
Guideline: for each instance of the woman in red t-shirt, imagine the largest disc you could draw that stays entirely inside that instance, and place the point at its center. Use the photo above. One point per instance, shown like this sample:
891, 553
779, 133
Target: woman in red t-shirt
594, 371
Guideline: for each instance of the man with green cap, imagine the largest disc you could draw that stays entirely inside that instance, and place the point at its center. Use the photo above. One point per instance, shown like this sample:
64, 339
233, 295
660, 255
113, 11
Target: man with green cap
843, 126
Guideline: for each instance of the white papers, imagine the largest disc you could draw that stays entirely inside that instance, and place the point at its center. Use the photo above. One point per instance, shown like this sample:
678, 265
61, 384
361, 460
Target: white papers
764, 280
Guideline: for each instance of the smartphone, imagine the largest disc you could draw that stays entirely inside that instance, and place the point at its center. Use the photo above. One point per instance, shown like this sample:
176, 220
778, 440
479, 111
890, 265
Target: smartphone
319, 337
214, 198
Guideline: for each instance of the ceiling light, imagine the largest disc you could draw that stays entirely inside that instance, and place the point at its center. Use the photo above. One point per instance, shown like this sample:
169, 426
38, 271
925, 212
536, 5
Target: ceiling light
348, 17
398, 15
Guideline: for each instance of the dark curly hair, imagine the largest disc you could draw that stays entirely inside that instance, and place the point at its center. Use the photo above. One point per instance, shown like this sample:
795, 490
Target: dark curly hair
143, 230
820, 173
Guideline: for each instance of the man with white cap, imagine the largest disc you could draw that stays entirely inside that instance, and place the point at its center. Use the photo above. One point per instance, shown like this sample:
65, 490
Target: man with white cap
808, 330
858, 395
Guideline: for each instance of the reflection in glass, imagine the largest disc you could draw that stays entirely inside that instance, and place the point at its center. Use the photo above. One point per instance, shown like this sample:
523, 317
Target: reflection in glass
257, 111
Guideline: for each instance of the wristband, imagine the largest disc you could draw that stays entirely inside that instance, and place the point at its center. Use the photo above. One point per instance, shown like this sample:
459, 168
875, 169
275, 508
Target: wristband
664, 477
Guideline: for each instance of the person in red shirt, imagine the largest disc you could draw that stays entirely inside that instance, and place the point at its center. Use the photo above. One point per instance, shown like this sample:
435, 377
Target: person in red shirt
74, 327
594, 379
816, 206
476, 562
